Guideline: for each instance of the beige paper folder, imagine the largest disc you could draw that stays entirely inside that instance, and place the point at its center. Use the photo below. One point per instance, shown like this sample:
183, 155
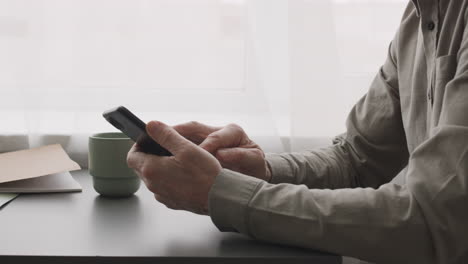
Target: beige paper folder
43, 169
57, 182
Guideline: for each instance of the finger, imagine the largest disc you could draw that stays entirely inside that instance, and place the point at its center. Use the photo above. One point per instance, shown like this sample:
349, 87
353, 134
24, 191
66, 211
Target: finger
195, 131
152, 174
168, 203
141, 161
231, 158
167, 137
135, 158
229, 136
147, 166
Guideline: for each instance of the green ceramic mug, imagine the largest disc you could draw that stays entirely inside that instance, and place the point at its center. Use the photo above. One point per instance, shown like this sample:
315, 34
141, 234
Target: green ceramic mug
108, 165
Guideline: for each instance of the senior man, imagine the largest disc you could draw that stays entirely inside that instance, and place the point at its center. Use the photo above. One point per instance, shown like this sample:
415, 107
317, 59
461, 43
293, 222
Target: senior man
340, 199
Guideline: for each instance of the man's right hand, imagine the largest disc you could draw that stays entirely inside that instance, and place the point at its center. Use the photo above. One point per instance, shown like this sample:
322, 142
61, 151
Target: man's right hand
230, 145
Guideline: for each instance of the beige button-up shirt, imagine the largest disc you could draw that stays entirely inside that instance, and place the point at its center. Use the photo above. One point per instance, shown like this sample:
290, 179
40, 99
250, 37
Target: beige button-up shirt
340, 199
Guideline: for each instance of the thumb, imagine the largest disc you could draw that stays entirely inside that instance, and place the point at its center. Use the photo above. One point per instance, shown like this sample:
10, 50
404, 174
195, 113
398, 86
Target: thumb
230, 136
167, 137
230, 156
236, 159
246, 161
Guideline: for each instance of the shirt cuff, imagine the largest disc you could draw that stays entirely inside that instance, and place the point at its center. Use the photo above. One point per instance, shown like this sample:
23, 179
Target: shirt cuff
229, 198
281, 171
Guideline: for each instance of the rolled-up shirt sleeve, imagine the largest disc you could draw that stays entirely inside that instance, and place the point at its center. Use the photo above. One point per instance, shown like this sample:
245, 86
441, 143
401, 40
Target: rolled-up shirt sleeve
422, 222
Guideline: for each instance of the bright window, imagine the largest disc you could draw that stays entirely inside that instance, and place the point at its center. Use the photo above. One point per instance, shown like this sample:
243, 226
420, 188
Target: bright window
292, 68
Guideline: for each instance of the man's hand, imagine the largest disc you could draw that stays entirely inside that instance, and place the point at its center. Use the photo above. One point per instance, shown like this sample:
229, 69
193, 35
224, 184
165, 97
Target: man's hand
182, 181
230, 145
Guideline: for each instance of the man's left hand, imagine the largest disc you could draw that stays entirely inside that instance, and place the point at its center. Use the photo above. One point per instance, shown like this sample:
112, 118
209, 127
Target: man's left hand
182, 181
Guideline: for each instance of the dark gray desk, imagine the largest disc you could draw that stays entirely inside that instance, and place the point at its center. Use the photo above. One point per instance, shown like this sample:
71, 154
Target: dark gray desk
86, 228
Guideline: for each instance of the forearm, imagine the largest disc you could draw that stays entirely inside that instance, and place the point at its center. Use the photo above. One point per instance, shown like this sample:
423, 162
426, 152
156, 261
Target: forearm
348, 163
328, 167
424, 222
383, 225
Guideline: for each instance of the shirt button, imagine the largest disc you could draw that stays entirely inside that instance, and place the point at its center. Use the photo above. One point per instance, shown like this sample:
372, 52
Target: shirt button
431, 26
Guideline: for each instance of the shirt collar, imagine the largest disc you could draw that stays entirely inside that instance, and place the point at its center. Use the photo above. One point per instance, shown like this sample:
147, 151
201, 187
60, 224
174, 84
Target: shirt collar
418, 9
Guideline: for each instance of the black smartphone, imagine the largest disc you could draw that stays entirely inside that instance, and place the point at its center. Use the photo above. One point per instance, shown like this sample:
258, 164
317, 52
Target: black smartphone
124, 120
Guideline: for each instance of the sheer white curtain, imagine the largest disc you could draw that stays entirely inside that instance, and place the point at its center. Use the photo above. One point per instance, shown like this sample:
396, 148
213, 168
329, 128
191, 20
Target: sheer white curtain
318, 57
278, 68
